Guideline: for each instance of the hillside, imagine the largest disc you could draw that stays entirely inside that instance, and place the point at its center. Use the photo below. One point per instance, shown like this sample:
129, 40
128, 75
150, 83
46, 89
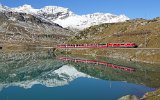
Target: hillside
25, 30
145, 33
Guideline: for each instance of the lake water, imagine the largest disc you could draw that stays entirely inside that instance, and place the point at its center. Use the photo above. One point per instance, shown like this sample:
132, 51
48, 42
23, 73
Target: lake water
41, 75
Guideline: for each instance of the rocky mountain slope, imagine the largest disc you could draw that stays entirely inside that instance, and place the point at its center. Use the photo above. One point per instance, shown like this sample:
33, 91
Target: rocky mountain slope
68, 19
26, 29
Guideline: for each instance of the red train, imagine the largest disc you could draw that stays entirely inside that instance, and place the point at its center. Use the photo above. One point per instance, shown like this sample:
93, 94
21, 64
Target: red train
107, 45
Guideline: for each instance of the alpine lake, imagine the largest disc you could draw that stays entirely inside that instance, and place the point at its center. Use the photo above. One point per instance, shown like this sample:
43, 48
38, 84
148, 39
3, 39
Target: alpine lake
41, 75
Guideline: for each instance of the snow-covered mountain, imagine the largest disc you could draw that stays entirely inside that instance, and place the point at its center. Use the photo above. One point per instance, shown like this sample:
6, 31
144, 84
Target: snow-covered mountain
66, 18
84, 21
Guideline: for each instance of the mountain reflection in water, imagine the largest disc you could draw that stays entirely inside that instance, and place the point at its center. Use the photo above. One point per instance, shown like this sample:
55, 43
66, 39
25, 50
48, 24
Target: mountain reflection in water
23, 70
29, 68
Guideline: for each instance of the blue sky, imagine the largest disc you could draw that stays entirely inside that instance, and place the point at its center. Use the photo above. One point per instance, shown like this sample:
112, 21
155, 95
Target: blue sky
132, 8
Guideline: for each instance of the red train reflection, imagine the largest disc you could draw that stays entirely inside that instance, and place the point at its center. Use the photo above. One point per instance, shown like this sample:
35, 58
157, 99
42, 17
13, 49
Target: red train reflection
99, 63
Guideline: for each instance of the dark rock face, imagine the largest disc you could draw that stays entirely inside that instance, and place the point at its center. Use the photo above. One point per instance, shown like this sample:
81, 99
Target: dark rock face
61, 15
3, 16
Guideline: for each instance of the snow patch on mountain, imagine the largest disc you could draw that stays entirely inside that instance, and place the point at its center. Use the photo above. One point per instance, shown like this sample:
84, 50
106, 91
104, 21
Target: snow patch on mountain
54, 10
25, 9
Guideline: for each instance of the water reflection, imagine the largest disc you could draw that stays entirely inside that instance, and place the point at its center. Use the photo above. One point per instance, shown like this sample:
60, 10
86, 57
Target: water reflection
21, 71
98, 63
29, 68
145, 74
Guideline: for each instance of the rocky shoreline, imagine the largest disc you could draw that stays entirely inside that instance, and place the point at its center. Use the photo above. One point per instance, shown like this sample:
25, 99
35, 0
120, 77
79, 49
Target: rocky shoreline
155, 95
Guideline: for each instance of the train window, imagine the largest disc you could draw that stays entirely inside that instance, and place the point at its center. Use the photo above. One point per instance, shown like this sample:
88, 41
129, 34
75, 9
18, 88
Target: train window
115, 44
101, 44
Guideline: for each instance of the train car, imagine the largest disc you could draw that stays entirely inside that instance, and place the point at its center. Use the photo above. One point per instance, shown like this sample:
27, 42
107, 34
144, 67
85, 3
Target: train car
121, 45
77, 46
